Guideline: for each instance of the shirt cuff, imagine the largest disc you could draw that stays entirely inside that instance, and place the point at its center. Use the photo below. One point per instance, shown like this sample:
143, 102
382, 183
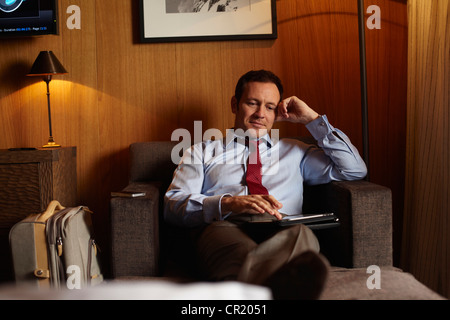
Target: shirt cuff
212, 208
320, 127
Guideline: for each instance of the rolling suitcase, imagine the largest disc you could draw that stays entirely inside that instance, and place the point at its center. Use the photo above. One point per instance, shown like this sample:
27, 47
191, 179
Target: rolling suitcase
56, 248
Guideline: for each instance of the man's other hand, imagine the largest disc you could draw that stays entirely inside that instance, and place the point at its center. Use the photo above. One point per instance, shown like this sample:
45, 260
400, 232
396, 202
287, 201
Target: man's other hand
253, 204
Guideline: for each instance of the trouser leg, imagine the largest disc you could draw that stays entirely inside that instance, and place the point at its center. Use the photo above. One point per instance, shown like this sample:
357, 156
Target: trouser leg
227, 252
222, 248
270, 255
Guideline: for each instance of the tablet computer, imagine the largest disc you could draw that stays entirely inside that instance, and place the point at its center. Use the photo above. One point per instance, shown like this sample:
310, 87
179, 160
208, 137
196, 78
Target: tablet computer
313, 221
319, 220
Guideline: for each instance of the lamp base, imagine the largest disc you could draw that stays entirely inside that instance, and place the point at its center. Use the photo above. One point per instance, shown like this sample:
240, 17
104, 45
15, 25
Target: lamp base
51, 144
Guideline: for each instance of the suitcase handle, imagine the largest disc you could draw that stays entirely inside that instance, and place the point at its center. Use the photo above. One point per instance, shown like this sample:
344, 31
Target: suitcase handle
52, 207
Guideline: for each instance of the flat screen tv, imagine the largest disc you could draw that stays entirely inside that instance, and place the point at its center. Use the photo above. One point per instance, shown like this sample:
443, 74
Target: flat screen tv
28, 18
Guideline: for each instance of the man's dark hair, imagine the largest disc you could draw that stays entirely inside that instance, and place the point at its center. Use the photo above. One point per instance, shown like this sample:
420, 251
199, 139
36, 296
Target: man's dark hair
257, 76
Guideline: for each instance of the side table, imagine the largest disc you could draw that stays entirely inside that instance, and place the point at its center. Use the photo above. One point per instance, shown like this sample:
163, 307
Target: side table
29, 180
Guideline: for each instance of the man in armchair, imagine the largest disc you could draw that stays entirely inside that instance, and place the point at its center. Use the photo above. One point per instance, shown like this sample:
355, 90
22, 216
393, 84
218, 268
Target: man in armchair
221, 185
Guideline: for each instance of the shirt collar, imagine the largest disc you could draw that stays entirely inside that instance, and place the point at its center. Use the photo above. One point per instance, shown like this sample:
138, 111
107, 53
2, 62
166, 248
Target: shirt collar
233, 137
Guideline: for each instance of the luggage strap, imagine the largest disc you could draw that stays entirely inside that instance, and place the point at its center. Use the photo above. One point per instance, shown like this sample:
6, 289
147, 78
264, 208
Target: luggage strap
42, 271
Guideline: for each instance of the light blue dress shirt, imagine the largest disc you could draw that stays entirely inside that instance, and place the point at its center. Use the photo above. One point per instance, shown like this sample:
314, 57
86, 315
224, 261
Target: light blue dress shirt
211, 170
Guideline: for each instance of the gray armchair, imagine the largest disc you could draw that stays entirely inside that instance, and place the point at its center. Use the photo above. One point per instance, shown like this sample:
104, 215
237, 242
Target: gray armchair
143, 245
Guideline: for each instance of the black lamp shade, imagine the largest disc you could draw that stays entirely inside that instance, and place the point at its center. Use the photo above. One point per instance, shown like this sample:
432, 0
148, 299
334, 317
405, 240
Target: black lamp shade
46, 64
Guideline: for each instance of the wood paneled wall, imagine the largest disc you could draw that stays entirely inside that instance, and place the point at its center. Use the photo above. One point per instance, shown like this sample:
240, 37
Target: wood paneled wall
119, 91
426, 240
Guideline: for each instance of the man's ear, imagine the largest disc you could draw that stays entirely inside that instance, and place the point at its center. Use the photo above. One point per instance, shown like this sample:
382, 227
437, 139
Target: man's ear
234, 105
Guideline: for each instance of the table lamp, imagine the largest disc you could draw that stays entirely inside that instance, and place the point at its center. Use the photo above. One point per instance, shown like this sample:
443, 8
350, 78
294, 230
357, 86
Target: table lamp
46, 65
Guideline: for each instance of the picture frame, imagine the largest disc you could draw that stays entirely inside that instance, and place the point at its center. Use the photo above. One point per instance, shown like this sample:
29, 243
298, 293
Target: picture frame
200, 20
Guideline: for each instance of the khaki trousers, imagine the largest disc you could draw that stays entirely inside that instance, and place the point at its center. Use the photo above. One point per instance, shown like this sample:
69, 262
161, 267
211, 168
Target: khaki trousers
234, 250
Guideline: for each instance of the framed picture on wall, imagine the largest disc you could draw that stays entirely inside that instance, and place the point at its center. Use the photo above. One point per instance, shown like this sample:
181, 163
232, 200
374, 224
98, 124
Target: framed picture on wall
207, 20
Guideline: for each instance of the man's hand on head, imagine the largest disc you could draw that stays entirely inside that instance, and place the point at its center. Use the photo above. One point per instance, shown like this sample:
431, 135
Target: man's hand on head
293, 109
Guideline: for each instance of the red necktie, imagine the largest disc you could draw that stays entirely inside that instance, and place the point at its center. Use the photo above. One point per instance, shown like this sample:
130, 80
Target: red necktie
253, 177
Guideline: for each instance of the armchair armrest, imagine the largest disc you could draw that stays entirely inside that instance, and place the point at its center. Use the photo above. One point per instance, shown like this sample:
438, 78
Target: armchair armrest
365, 211
135, 232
